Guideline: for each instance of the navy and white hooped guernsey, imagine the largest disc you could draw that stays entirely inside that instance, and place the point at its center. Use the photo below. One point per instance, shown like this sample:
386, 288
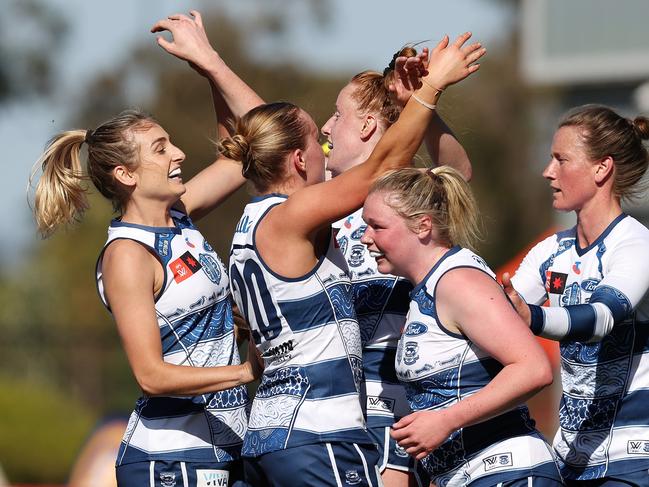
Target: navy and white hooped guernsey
381, 302
440, 368
306, 330
196, 329
603, 418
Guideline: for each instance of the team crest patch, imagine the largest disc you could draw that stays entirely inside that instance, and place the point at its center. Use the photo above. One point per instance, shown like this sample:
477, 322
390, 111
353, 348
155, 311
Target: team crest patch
411, 353
556, 282
499, 460
352, 477
168, 479
356, 255
211, 267
184, 267
212, 478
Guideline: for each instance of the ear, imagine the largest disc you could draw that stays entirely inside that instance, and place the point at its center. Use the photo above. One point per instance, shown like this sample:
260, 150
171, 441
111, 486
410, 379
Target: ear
425, 228
124, 176
298, 161
370, 124
604, 169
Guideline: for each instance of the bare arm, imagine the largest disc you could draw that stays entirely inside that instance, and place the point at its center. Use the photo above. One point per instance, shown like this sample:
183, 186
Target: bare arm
483, 314
129, 273
304, 212
442, 145
231, 97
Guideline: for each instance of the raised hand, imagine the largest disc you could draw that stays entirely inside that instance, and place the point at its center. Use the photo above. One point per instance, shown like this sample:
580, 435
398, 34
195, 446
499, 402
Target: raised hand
189, 40
520, 305
450, 63
408, 72
421, 432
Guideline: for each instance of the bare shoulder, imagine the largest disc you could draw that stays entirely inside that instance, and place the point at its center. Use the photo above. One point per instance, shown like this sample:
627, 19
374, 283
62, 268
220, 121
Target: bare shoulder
126, 258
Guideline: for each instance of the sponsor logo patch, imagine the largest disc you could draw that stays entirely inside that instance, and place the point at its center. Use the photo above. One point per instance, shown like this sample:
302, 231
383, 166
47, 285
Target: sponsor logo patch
589, 285
184, 267
279, 353
556, 282
575, 267
212, 478
498, 460
378, 403
358, 233
415, 328
637, 447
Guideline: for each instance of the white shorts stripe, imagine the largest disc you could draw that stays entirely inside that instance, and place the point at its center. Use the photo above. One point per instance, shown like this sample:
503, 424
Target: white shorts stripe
332, 459
151, 474
183, 469
367, 473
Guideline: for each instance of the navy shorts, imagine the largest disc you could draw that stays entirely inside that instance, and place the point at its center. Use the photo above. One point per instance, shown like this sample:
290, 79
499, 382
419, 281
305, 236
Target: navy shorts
159, 473
321, 464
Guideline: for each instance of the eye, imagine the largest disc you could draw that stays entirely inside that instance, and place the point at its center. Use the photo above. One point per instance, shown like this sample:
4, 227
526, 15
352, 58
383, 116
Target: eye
162, 150
336, 115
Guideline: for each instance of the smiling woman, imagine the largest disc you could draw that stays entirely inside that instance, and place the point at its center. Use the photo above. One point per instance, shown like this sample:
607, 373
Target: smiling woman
168, 292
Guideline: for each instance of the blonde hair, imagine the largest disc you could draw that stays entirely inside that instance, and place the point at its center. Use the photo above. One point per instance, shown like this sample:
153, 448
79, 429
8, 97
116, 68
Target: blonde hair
605, 133
263, 138
441, 193
61, 192
372, 93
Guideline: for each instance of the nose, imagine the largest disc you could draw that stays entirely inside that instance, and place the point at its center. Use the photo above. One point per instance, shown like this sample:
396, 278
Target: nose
548, 172
367, 238
179, 155
326, 128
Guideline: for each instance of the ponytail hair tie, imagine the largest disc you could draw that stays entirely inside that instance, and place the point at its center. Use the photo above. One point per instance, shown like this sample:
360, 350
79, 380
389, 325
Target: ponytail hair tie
89, 139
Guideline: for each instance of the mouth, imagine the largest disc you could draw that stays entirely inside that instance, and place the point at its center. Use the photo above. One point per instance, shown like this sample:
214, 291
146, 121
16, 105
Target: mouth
326, 147
176, 174
375, 254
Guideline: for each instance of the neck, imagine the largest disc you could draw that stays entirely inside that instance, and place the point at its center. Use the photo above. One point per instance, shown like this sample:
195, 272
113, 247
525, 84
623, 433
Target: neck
594, 217
148, 213
424, 261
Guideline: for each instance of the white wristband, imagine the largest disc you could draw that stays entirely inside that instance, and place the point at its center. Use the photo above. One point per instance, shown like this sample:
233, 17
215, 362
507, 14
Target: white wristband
430, 106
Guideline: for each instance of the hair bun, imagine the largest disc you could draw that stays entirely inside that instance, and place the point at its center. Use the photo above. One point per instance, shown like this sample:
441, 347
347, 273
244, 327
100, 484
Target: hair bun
641, 127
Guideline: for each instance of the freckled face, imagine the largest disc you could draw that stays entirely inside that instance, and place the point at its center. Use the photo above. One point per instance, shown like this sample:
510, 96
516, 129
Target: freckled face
570, 171
343, 132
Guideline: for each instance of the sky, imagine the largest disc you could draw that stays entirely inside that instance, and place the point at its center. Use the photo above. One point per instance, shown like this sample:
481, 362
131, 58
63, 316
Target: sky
361, 34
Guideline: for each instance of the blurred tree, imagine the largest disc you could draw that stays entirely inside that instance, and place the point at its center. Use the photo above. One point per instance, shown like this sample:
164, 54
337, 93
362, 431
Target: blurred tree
27, 69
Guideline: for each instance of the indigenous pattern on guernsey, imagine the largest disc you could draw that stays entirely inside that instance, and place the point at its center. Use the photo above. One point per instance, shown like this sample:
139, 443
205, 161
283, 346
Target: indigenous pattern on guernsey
381, 302
440, 368
604, 429
306, 330
196, 329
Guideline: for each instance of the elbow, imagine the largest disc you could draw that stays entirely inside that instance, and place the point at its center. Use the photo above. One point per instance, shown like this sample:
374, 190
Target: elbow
542, 374
150, 385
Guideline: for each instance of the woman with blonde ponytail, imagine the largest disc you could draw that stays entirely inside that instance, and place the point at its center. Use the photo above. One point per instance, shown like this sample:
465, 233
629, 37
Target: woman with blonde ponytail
595, 276
467, 390
167, 290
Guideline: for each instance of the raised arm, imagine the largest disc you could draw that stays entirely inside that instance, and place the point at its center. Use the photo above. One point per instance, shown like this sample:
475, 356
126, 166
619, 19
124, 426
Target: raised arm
129, 275
190, 43
442, 145
318, 205
483, 314
231, 97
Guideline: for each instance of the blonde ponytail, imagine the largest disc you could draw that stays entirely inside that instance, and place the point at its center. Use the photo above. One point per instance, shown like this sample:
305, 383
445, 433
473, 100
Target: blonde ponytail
61, 192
